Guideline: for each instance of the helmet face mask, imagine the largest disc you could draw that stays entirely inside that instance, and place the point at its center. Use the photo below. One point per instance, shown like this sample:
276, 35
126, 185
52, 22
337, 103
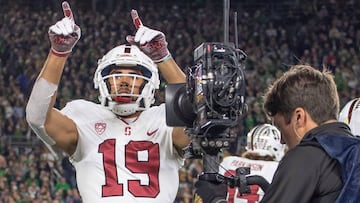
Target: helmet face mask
125, 85
135, 98
264, 140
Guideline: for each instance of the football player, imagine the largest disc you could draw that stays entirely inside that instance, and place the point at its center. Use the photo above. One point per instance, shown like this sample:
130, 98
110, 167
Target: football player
262, 155
122, 149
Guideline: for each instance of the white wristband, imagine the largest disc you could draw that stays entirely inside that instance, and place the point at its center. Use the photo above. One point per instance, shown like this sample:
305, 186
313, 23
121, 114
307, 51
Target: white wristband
166, 58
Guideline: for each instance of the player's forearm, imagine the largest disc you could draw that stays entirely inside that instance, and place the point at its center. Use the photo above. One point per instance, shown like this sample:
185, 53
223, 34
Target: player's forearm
171, 71
53, 68
40, 115
43, 96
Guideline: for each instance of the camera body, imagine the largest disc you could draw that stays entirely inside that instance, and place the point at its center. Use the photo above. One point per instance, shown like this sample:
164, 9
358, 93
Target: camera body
213, 98
209, 104
216, 85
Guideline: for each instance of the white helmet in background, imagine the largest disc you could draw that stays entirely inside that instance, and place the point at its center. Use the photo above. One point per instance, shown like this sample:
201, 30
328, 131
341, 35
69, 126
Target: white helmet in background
350, 114
264, 139
127, 56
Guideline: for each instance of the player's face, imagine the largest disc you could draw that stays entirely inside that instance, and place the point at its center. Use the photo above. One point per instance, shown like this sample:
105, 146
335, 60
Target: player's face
125, 84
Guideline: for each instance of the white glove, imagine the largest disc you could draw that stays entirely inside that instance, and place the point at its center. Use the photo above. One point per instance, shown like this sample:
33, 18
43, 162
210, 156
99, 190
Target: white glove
151, 42
65, 33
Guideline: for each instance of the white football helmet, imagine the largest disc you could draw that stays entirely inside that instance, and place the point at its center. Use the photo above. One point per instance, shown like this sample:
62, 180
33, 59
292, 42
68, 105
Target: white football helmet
350, 114
127, 56
264, 139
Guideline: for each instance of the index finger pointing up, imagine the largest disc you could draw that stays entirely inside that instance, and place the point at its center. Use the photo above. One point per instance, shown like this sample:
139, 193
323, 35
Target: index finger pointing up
136, 20
67, 10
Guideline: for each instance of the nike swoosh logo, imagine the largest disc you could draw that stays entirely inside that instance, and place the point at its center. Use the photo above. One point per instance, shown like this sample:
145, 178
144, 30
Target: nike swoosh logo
152, 132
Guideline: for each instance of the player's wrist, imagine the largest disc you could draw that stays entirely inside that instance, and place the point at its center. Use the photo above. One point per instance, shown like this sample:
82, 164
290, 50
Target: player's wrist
60, 54
165, 58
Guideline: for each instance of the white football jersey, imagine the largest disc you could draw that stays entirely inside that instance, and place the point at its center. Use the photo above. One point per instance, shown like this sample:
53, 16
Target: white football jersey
265, 169
122, 161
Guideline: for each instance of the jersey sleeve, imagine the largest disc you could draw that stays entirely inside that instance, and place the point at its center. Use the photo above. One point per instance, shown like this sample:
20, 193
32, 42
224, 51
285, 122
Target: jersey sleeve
83, 113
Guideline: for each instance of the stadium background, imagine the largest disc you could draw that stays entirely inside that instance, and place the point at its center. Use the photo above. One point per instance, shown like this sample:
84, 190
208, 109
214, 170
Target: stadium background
274, 35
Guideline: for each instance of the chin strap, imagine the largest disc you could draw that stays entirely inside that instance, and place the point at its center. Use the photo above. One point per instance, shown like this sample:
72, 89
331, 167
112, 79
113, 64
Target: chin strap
126, 109
123, 109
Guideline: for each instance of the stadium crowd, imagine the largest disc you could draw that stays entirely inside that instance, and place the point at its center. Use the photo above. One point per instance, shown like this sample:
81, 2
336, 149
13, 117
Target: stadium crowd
273, 34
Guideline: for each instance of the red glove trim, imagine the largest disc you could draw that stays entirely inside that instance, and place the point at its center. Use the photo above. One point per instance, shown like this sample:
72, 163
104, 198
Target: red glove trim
59, 54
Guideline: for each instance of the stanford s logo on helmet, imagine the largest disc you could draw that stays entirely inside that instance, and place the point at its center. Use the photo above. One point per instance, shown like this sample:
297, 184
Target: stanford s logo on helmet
127, 56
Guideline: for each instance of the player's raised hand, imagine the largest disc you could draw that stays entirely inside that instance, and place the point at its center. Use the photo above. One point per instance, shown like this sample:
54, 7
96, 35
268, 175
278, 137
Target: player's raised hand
65, 33
151, 42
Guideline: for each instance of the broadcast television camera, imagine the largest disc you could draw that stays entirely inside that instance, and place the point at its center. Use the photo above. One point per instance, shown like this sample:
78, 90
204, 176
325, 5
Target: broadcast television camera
209, 104
213, 99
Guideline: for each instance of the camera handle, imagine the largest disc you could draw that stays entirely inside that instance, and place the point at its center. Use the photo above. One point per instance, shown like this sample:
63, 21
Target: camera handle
209, 152
241, 180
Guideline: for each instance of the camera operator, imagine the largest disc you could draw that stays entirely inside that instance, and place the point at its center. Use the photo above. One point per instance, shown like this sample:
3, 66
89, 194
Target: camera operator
304, 105
322, 162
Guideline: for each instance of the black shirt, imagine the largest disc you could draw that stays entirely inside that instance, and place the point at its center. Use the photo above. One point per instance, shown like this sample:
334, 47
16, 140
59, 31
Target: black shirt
307, 173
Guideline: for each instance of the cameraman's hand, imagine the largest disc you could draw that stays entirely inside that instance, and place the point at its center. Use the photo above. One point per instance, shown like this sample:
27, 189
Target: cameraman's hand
151, 42
65, 33
207, 192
